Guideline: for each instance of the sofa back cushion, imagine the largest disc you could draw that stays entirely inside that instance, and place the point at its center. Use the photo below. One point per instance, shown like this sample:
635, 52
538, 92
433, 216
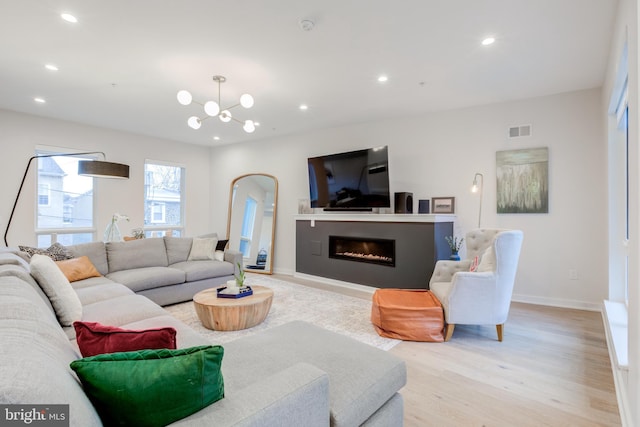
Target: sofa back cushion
95, 251
177, 248
35, 356
136, 254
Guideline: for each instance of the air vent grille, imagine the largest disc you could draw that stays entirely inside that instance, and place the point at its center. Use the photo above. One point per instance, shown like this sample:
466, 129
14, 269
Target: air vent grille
519, 131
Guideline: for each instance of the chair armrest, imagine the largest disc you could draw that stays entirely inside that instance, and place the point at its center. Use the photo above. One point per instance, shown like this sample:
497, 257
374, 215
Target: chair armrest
296, 396
445, 269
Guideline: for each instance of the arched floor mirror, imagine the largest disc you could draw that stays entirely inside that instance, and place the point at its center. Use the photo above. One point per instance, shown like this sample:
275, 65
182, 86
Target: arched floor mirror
252, 220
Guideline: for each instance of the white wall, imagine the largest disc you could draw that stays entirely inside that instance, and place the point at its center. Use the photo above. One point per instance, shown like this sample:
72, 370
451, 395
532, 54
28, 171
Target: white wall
21, 133
438, 154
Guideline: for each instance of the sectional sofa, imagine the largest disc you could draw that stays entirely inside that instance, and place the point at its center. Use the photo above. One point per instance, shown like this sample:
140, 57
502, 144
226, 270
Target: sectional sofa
162, 269
293, 375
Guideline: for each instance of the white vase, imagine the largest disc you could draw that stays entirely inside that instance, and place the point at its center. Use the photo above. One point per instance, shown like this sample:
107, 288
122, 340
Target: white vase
112, 233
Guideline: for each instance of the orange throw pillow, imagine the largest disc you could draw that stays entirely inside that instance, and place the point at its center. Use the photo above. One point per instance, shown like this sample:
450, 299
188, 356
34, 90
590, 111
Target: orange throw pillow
78, 268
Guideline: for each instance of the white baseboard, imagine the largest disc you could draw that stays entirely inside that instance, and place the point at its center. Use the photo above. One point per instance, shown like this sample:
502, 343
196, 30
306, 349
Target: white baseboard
557, 302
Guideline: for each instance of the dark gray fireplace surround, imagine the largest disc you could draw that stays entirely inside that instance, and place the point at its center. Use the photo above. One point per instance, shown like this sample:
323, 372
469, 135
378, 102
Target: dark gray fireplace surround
418, 241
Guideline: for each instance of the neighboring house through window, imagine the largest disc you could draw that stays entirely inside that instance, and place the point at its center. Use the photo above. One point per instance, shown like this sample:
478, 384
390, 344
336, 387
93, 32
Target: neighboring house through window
64, 200
163, 199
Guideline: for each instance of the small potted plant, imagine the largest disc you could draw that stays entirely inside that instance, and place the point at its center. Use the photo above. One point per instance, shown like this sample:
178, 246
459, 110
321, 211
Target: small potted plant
455, 244
240, 277
236, 288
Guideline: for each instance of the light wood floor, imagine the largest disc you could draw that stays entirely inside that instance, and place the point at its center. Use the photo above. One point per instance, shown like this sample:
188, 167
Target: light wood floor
552, 369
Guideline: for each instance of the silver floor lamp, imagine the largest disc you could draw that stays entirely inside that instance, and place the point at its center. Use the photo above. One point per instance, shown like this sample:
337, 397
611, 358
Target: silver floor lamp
478, 188
94, 168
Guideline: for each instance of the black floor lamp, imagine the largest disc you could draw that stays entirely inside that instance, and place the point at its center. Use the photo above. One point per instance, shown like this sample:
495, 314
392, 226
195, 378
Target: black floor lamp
94, 168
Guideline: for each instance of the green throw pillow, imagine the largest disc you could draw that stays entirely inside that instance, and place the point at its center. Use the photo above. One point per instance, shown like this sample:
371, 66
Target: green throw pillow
152, 387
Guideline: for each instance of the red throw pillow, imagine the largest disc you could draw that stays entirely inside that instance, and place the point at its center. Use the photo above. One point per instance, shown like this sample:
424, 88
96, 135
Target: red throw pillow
94, 338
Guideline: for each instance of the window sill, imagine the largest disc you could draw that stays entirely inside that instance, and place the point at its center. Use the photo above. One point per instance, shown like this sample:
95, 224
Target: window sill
616, 326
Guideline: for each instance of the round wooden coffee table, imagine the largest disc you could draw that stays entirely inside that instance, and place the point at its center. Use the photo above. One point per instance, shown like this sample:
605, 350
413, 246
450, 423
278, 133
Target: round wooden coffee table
232, 314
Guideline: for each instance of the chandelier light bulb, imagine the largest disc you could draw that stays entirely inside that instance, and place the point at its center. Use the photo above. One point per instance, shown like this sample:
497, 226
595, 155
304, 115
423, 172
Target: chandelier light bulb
225, 116
184, 97
246, 100
194, 122
211, 108
249, 127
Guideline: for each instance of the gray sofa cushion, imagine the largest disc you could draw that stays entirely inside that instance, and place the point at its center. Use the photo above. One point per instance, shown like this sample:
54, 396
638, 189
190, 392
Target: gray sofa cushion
96, 252
21, 273
361, 377
199, 270
139, 279
177, 248
136, 254
105, 291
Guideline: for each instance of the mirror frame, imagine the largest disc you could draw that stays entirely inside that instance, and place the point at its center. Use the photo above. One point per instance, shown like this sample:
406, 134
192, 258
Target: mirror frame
273, 225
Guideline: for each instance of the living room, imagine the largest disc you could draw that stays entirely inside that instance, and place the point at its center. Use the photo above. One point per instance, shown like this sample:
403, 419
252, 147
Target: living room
431, 154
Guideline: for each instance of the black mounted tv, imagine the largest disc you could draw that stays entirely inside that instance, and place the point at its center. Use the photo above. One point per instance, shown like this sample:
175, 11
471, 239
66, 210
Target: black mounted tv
355, 180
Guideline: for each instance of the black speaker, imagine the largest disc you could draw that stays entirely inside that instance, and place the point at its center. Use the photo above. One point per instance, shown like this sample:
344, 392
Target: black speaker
403, 203
423, 206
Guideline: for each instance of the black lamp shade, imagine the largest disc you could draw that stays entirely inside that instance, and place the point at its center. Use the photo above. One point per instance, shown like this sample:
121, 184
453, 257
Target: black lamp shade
101, 169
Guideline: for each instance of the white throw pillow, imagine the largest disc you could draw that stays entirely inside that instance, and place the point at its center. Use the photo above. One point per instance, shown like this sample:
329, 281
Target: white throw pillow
53, 282
218, 255
202, 249
487, 261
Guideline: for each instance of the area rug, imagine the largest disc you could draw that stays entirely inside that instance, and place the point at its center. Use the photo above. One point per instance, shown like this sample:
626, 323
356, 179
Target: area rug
343, 314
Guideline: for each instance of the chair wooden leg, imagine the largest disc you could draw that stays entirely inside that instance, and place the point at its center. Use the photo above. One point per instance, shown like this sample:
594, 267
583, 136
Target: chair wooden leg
448, 331
500, 330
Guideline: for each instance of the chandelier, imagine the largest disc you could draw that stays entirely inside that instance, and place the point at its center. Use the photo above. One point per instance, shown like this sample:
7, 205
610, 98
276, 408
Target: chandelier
214, 109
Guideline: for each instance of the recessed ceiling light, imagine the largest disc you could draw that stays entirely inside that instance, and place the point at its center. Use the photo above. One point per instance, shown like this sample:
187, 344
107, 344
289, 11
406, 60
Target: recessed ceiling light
487, 41
39, 100
51, 67
383, 78
256, 123
216, 138
69, 17
304, 107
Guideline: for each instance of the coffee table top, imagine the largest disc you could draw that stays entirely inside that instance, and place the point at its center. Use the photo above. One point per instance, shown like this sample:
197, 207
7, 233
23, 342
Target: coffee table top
209, 297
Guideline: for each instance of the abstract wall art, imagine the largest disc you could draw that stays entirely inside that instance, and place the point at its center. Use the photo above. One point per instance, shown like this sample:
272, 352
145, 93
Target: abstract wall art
522, 181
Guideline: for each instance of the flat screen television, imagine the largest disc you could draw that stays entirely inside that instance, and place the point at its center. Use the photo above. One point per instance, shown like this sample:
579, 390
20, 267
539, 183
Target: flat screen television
354, 180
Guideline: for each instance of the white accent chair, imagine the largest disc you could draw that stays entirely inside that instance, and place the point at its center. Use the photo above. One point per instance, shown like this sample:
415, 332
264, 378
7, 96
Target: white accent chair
482, 297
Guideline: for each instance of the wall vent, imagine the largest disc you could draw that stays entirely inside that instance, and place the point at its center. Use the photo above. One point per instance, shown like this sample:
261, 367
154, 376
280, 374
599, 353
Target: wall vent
518, 131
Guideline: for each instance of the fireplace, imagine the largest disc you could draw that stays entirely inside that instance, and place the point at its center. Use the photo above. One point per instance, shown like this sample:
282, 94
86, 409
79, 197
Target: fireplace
363, 249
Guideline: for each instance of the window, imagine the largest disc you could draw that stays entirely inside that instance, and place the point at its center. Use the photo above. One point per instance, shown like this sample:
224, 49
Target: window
163, 199
44, 194
64, 200
246, 234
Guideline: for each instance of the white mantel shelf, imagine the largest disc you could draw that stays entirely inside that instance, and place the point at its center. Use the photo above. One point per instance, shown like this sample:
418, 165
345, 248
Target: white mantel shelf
372, 217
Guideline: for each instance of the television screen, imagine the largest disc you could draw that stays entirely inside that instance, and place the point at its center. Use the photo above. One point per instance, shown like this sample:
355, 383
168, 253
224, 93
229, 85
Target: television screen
353, 180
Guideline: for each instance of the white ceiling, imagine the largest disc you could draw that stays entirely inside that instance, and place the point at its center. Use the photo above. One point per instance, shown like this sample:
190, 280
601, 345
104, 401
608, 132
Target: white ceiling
122, 64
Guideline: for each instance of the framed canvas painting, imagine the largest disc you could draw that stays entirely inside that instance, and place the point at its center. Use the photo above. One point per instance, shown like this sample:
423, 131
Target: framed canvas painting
522, 181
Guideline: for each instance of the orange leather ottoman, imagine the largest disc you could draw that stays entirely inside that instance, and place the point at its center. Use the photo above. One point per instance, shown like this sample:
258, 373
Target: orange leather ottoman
410, 315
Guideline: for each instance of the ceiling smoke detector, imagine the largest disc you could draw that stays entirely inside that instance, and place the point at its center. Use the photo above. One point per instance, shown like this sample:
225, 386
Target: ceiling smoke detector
307, 24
